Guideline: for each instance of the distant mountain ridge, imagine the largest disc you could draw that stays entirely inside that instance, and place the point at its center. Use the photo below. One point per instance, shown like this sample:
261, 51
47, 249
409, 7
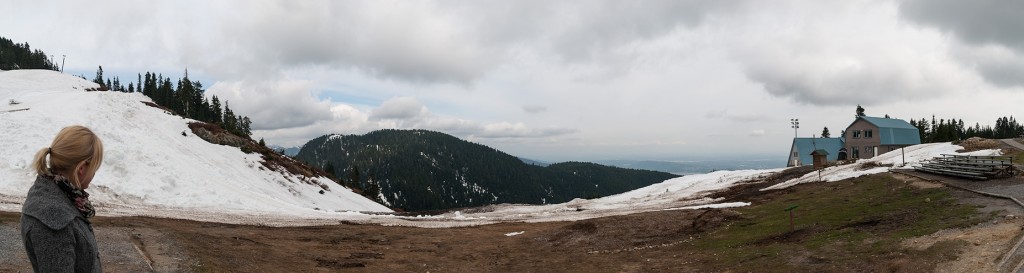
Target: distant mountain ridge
697, 166
424, 170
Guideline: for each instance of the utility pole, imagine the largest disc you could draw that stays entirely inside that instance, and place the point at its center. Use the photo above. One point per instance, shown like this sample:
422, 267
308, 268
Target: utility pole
795, 125
62, 58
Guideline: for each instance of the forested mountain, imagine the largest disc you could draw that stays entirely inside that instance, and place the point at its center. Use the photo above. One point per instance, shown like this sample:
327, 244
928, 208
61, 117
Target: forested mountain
425, 170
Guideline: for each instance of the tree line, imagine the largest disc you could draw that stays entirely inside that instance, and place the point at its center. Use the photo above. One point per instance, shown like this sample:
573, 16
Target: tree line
945, 130
21, 56
183, 97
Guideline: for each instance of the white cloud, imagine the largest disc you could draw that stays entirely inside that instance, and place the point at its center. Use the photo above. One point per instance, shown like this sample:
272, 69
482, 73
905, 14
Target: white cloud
401, 108
863, 54
273, 104
558, 80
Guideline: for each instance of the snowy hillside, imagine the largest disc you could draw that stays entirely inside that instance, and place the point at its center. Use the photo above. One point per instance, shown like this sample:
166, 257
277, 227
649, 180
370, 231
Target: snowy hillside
148, 164
151, 169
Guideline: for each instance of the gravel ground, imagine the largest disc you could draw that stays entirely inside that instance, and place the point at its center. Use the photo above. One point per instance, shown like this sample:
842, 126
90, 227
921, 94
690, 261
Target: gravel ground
122, 249
12, 253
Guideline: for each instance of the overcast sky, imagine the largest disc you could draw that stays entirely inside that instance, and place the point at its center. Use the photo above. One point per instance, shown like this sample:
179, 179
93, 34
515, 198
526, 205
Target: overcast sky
558, 80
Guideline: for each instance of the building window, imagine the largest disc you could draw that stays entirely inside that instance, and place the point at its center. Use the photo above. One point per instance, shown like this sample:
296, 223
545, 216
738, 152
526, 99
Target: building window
856, 134
867, 134
856, 152
795, 155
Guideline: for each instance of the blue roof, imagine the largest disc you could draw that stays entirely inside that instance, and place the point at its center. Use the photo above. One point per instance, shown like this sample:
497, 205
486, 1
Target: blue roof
894, 131
805, 146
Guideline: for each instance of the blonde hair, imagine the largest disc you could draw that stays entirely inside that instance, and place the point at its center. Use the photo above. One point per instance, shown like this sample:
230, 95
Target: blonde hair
73, 146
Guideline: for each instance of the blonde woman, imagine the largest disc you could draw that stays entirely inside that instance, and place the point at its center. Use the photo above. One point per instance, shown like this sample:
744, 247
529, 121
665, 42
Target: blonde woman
55, 225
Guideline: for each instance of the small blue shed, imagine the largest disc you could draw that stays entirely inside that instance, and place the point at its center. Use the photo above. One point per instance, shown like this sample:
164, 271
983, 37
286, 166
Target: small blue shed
800, 152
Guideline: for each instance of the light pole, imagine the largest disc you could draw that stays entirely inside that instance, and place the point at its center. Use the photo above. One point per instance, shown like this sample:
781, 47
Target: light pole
795, 125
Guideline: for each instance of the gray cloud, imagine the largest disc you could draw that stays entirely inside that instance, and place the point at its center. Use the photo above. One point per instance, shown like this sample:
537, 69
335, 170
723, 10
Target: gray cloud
519, 130
437, 42
724, 114
977, 22
402, 108
534, 109
991, 29
854, 59
273, 105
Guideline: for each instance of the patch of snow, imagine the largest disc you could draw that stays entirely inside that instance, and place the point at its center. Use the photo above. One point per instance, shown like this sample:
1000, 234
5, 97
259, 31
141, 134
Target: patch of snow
510, 234
714, 206
147, 162
911, 156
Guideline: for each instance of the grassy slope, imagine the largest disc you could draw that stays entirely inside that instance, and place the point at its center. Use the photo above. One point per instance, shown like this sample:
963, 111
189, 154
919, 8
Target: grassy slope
840, 225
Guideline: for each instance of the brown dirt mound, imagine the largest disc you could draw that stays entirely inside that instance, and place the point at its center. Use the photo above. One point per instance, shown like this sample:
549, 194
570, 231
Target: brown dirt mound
977, 143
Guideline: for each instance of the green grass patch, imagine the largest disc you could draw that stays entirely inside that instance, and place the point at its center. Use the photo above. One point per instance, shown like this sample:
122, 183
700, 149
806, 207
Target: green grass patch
842, 222
1018, 155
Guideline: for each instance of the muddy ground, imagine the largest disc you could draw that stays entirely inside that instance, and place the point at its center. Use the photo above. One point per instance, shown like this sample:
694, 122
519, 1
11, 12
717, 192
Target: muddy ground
646, 242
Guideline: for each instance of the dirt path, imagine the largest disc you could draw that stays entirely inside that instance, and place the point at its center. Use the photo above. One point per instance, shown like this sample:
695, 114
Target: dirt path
123, 248
1013, 143
987, 243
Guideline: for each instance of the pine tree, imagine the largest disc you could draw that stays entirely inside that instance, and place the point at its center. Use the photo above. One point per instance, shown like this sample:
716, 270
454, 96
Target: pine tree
825, 133
99, 77
353, 176
860, 111
244, 126
218, 113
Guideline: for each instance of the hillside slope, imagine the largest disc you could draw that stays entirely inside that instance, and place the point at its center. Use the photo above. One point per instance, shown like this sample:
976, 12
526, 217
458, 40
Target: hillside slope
425, 170
148, 163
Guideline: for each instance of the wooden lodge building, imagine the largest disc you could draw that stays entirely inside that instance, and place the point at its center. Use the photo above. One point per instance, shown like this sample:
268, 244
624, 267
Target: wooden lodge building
869, 137
866, 137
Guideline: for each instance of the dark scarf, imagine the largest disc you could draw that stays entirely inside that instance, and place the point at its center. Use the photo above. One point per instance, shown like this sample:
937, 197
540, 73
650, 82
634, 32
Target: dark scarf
78, 196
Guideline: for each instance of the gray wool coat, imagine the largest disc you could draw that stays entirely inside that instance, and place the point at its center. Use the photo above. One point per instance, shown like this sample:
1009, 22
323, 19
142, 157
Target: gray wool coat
56, 236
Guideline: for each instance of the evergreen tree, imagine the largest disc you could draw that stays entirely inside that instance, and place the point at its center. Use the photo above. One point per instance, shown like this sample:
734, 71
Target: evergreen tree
217, 112
21, 56
825, 133
353, 176
99, 77
860, 111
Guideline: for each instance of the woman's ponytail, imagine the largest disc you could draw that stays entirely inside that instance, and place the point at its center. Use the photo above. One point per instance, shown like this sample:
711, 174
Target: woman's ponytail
40, 161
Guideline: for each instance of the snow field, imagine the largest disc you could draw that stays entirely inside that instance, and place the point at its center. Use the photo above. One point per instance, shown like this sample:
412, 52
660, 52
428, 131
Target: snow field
147, 162
150, 169
911, 156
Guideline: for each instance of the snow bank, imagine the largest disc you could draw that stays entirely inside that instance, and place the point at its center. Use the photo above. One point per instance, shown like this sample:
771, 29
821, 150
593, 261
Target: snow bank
150, 169
148, 164
911, 155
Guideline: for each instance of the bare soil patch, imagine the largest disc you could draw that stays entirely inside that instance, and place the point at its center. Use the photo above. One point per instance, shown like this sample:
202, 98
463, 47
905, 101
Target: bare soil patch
867, 234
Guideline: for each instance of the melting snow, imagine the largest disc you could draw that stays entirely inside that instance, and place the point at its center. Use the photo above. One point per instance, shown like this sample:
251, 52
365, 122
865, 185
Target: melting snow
147, 162
149, 169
